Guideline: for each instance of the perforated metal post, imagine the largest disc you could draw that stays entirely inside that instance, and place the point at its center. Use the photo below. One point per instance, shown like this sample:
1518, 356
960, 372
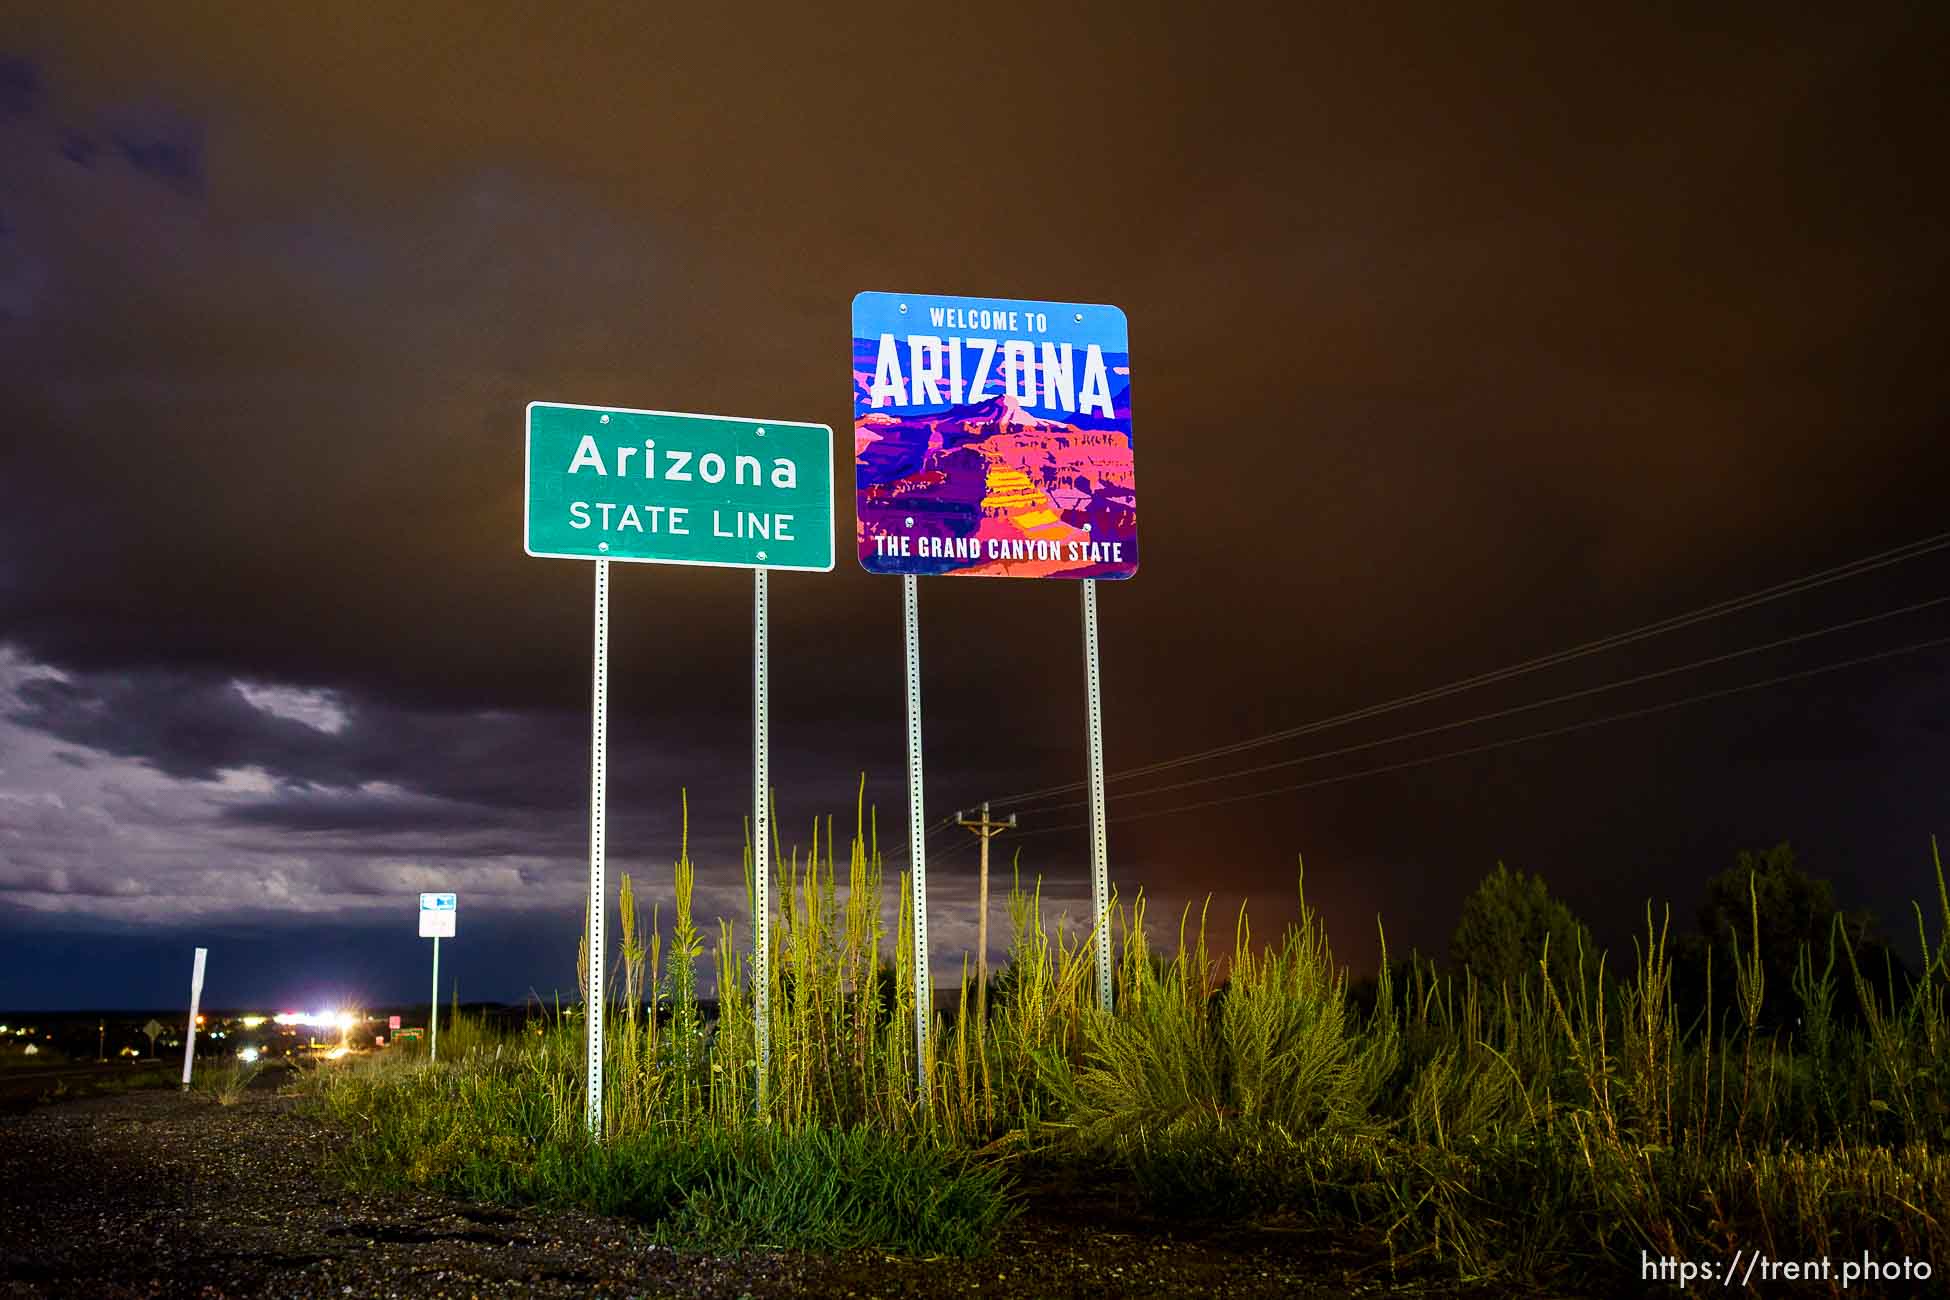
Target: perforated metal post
917, 850
598, 790
761, 837
1093, 713
433, 1011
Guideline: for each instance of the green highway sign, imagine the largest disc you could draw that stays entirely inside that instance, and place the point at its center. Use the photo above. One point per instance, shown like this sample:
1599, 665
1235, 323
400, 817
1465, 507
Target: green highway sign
664, 487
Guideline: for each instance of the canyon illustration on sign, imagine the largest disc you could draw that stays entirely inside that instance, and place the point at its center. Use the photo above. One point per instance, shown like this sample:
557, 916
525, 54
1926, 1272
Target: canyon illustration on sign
992, 437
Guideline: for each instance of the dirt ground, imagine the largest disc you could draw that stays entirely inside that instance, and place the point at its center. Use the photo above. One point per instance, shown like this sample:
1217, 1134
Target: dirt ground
23, 1087
159, 1193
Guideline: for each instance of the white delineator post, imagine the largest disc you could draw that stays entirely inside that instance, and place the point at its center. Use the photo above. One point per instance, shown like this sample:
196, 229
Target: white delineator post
1093, 712
598, 780
761, 838
917, 848
196, 996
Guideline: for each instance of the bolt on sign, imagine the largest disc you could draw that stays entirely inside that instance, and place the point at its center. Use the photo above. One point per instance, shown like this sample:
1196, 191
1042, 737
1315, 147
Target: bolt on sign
663, 487
992, 438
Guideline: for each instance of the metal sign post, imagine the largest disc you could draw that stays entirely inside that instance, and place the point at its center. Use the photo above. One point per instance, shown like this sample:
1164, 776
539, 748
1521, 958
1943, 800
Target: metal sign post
917, 845
437, 916
1093, 724
609, 483
761, 838
992, 439
592, 1004
433, 1007
196, 996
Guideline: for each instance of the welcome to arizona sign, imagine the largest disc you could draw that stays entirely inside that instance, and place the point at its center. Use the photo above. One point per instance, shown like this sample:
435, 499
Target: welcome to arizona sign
992, 437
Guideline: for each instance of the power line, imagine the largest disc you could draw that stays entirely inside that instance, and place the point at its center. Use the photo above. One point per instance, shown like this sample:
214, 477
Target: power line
945, 826
1514, 740
933, 832
936, 856
1795, 586
1496, 714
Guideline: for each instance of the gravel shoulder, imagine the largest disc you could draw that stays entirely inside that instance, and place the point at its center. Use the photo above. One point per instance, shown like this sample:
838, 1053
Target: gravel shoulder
164, 1194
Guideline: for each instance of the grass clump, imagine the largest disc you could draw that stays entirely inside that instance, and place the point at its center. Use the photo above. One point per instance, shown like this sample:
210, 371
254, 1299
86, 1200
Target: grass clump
225, 1081
1273, 1048
817, 1188
499, 1126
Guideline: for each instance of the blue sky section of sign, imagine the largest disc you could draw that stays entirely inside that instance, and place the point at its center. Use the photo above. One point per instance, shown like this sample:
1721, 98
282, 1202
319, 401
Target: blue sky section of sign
876, 313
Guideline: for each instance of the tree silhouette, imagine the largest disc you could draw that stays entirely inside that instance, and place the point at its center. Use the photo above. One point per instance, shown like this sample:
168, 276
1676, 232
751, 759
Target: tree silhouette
1787, 909
1504, 925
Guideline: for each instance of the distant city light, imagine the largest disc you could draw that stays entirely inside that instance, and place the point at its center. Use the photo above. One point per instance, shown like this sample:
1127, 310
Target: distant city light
248, 1022
317, 1019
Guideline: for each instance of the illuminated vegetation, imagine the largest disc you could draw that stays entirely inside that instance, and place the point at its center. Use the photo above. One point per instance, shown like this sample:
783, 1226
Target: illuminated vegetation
224, 1081
1561, 1122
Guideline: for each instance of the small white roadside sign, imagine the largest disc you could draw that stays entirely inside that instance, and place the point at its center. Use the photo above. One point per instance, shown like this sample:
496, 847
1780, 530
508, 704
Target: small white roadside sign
437, 916
437, 912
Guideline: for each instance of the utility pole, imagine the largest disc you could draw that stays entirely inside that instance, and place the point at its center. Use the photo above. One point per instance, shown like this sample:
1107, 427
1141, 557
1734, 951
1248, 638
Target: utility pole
986, 830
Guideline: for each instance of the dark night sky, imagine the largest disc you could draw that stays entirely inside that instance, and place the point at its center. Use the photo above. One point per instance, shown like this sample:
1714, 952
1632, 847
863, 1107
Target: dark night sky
1455, 342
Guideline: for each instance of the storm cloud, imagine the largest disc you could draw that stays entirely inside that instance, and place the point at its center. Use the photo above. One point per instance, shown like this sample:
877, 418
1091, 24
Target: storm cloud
1455, 341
